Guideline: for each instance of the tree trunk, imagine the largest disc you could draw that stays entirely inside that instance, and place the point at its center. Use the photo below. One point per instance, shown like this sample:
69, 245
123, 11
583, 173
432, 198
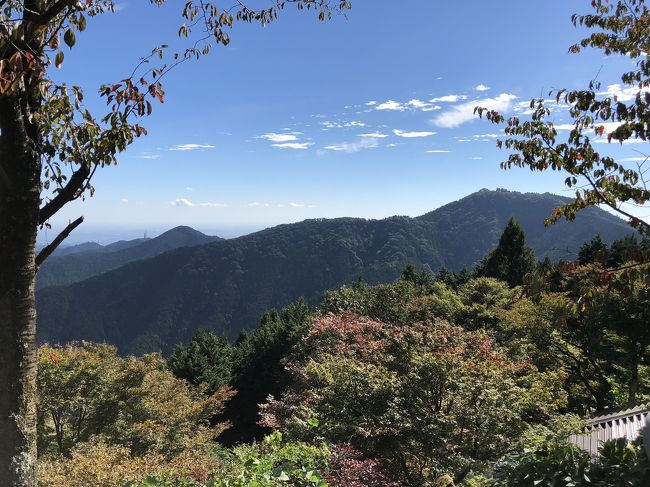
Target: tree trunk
20, 168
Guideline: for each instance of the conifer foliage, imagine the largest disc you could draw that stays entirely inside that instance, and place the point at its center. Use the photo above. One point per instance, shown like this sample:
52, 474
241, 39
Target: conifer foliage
512, 259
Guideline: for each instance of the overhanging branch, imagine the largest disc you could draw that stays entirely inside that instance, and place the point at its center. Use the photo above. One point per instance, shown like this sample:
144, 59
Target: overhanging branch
47, 251
69, 192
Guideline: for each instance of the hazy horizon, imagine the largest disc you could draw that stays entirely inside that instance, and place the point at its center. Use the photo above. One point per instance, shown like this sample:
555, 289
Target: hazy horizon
106, 233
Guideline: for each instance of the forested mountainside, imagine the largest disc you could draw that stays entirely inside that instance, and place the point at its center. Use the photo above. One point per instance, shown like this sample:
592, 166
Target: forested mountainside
86, 247
79, 262
226, 285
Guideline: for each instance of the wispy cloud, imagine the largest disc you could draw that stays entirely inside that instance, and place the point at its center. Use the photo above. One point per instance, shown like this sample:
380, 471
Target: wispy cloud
374, 135
448, 99
293, 145
413, 104
148, 156
275, 137
340, 125
438, 151
297, 205
481, 87
185, 203
124, 200
412, 135
191, 147
352, 147
463, 113
634, 159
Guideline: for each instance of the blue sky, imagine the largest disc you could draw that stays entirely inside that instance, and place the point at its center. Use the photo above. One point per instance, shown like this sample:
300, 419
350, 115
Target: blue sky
367, 116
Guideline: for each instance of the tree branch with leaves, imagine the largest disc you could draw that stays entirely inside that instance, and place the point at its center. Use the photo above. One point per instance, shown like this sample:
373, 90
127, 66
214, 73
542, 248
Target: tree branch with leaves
620, 28
51, 146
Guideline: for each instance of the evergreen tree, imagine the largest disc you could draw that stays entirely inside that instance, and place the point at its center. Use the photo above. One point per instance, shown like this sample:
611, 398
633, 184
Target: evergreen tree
260, 370
410, 274
511, 260
208, 359
626, 249
594, 251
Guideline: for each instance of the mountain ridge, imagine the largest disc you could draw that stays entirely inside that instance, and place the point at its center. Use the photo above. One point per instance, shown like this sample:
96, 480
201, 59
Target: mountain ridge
226, 285
78, 266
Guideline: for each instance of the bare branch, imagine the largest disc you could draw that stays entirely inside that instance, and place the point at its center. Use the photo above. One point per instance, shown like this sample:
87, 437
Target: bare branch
70, 192
47, 251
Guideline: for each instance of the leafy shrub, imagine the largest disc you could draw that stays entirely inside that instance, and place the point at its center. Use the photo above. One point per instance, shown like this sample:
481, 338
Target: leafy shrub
104, 419
561, 464
423, 400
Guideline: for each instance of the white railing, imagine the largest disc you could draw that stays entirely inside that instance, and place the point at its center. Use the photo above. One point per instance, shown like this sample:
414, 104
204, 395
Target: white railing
622, 424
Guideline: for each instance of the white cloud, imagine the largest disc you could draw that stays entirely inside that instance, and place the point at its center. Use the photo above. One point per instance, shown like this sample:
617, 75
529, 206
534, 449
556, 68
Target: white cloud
190, 147
189, 188
460, 114
293, 145
411, 135
523, 107
476, 158
486, 136
297, 205
352, 147
448, 99
415, 103
628, 141
274, 137
391, 145
391, 105
149, 156
438, 151
185, 203
340, 125
633, 159
124, 200
182, 202
481, 87
609, 128
374, 135
371, 103
627, 93
258, 204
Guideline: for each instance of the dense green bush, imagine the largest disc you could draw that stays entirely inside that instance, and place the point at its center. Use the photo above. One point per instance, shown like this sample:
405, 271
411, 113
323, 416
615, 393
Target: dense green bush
557, 463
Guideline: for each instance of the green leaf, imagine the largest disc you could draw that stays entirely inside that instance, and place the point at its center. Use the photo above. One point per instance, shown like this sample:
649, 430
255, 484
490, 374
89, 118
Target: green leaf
69, 38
